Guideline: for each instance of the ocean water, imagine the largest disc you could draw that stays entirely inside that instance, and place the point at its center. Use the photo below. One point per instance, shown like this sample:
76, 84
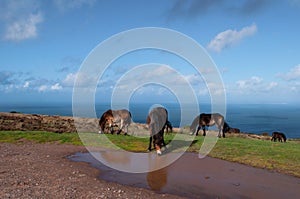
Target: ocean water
250, 118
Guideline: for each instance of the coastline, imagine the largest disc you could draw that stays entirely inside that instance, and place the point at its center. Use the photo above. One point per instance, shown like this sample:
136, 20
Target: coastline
66, 124
249, 118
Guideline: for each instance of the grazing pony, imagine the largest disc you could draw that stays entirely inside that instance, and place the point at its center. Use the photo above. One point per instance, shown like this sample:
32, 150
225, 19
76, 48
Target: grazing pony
279, 136
169, 127
205, 120
157, 121
110, 118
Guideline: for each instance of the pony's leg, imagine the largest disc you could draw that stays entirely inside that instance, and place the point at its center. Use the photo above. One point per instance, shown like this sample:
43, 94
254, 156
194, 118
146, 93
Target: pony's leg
220, 127
111, 129
223, 131
198, 129
204, 131
126, 129
121, 127
219, 134
150, 141
163, 139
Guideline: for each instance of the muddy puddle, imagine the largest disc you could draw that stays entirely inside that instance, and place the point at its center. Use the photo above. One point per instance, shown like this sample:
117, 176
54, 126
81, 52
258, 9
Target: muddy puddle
192, 177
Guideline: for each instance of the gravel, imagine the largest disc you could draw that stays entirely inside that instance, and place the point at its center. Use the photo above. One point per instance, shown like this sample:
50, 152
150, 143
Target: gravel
31, 170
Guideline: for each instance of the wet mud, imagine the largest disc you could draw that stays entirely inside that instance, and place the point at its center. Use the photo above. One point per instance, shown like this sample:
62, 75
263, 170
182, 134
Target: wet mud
190, 176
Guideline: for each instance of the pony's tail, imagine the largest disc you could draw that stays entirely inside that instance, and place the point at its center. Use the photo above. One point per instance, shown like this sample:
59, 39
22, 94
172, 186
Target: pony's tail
131, 120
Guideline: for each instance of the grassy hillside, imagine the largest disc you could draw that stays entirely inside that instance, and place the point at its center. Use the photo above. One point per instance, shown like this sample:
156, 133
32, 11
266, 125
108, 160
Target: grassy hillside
282, 157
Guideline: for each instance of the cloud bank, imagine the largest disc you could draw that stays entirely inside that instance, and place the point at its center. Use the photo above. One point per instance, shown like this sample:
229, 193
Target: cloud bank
293, 74
190, 9
230, 37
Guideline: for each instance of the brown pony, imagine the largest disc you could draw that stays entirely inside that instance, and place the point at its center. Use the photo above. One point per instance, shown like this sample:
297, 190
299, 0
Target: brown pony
169, 127
157, 121
110, 118
279, 136
205, 120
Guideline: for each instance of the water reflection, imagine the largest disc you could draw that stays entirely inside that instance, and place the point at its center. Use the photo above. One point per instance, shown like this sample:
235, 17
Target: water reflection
192, 177
157, 179
134, 162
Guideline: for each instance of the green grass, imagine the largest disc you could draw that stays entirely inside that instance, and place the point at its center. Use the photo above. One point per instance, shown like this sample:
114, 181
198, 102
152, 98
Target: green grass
39, 137
282, 157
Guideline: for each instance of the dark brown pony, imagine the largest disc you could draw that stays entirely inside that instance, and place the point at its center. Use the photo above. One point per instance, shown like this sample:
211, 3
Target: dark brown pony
111, 118
205, 120
169, 127
157, 121
278, 136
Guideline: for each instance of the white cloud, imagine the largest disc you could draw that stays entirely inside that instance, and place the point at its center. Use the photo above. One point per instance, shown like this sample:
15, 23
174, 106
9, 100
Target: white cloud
271, 85
249, 83
230, 37
24, 28
293, 74
255, 84
64, 5
82, 80
69, 80
20, 19
26, 84
56, 86
42, 88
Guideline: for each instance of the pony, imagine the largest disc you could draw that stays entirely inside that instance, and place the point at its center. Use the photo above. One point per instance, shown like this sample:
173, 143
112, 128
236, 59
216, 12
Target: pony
157, 120
279, 136
205, 120
231, 130
110, 118
168, 127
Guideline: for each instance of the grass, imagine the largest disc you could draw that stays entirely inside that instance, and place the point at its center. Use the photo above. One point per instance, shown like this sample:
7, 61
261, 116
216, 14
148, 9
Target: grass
281, 157
40, 137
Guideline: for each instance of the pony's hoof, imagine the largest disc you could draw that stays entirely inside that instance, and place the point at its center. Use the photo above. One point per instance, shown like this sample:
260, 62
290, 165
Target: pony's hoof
158, 152
100, 132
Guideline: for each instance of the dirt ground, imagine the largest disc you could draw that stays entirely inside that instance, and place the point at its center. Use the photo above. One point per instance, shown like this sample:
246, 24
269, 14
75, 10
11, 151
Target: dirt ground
30, 170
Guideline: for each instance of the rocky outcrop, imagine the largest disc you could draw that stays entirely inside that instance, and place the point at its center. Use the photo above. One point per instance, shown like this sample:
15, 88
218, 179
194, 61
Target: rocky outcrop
57, 124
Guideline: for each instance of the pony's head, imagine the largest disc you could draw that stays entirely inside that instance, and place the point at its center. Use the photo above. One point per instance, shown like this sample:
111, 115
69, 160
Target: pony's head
106, 119
226, 127
109, 121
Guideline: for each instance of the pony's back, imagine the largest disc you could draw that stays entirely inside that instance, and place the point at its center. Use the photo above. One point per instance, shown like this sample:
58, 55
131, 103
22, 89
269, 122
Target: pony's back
157, 119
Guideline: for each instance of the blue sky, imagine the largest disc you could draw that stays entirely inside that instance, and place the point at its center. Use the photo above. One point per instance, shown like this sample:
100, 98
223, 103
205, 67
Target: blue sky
254, 43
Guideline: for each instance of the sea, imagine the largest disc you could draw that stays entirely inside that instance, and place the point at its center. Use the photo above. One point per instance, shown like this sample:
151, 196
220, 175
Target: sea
249, 118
